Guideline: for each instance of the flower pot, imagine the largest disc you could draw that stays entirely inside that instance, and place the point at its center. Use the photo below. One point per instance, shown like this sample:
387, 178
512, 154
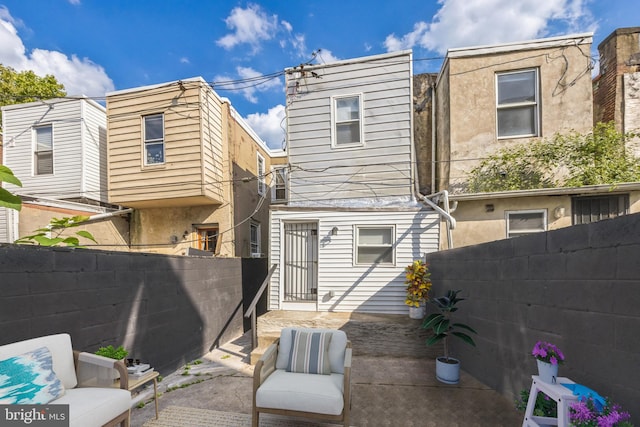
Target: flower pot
448, 370
547, 372
418, 312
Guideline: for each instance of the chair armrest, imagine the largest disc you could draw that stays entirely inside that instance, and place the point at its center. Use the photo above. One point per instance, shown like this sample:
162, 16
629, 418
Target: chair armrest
347, 377
265, 365
104, 362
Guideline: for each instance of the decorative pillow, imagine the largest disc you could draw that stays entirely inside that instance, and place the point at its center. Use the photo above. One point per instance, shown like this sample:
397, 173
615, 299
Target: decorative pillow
309, 352
29, 379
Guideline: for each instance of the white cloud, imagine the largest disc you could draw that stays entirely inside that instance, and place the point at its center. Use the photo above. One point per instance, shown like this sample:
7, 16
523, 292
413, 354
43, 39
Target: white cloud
251, 25
79, 76
184, 60
461, 23
75, 2
324, 56
249, 82
269, 126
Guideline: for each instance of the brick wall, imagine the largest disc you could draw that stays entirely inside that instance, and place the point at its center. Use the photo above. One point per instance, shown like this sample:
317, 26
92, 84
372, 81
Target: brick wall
578, 287
167, 310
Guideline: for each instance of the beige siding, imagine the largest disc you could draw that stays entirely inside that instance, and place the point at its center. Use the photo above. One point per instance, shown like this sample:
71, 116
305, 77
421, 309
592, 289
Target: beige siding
375, 289
192, 138
381, 168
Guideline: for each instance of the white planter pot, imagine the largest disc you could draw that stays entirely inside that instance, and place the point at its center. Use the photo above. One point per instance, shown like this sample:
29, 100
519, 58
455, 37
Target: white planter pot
447, 372
547, 372
418, 312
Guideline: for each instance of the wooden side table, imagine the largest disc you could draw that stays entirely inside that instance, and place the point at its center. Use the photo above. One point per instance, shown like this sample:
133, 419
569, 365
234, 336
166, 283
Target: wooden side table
134, 383
562, 396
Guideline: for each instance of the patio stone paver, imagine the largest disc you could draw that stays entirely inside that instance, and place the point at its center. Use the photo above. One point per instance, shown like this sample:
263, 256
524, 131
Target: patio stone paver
386, 391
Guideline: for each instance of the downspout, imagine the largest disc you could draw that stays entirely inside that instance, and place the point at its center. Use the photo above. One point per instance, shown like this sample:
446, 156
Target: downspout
433, 137
109, 214
445, 213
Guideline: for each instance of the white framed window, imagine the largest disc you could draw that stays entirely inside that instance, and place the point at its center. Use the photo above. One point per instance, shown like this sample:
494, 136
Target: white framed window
279, 183
517, 104
524, 222
347, 121
262, 184
375, 245
255, 238
153, 137
43, 152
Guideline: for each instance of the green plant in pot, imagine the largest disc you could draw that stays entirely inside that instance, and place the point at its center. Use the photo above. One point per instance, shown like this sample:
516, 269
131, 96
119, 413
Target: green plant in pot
442, 328
112, 352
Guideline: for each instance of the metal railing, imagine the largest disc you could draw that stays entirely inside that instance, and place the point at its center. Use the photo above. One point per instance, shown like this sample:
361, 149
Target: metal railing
251, 311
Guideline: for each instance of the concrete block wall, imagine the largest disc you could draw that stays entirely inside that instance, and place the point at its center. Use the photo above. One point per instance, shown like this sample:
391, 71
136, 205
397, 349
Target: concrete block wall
577, 287
167, 310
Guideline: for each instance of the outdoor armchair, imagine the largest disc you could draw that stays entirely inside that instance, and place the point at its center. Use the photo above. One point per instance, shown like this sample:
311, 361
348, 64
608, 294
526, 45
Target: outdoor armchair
305, 373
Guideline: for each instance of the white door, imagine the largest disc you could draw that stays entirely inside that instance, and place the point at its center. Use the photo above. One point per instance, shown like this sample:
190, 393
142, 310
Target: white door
300, 266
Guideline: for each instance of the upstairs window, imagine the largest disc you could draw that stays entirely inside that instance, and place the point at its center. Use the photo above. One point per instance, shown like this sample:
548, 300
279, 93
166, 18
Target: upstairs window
517, 104
347, 126
255, 240
208, 238
595, 208
43, 155
374, 245
279, 193
262, 184
153, 139
520, 223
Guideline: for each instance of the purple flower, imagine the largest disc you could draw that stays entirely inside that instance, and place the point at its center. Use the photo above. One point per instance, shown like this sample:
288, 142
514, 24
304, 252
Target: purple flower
547, 352
580, 413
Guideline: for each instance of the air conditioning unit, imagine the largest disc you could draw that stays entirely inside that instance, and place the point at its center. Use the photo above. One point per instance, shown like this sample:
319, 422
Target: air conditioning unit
257, 255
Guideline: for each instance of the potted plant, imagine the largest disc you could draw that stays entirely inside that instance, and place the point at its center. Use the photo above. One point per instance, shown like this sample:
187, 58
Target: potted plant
112, 352
441, 326
417, 279
548, 357
591, 413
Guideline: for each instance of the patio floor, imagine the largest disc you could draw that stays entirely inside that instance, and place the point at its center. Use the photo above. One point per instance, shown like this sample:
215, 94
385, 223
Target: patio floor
386, 391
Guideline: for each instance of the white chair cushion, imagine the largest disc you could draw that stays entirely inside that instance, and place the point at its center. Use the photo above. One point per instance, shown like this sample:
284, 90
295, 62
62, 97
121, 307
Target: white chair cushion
321, 394
89, 406
61, 352
336, 348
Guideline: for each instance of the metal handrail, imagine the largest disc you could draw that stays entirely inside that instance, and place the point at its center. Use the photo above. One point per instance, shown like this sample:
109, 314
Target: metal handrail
251, 311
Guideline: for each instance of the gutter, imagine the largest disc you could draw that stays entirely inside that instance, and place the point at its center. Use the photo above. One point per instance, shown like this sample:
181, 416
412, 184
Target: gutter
445, 213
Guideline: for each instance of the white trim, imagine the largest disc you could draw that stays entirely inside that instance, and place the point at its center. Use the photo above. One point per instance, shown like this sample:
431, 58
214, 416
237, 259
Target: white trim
261, 177
526, 211
334, 114
34, 149
255, 224
356, 244
144, 141
274, 182
360, 60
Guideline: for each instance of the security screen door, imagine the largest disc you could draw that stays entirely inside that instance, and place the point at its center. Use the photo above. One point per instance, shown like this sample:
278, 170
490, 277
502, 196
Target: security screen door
300, 262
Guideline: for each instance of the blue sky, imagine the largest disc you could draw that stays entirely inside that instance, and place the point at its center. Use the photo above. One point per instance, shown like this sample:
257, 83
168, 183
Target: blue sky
96, 46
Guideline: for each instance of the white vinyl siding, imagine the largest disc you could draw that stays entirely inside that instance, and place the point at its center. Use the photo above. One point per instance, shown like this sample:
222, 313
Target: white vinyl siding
371, 288
517, 104
153, 139
379, 169
79, 167
347, 121
520, 223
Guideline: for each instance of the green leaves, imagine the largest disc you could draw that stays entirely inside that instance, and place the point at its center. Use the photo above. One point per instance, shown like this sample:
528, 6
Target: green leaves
7, 199
569, 160
45, 236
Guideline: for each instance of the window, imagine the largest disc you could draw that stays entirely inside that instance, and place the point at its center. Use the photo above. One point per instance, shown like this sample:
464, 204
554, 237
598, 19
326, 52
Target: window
520, 223
153, 139
262, 185
595, 208
207, 238
517, 104
374, 245
43, 155
279, 184
255, 239
347, 129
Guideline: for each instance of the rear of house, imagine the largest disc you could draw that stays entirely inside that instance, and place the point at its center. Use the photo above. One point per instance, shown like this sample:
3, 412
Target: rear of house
348, 222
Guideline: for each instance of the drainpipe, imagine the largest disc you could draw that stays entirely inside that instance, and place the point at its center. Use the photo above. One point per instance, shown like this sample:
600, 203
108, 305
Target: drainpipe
445, 213
109, 214
433, 137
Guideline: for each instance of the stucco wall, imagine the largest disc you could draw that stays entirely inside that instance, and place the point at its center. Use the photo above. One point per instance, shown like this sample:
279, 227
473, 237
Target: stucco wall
578, 287
167, 310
